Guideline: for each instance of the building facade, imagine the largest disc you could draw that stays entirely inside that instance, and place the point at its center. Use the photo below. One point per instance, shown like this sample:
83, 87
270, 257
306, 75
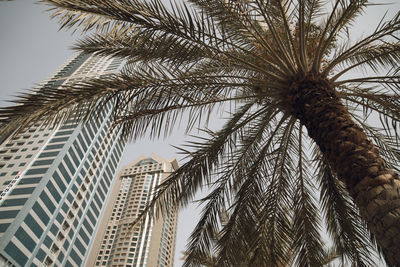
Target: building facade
54, 182
151, 244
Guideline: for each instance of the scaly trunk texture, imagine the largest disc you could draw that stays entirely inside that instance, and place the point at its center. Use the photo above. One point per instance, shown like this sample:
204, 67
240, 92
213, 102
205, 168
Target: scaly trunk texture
374, 187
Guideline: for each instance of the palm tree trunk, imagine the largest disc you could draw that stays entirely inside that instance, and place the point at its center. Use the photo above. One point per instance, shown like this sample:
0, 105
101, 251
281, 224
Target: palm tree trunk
374, 187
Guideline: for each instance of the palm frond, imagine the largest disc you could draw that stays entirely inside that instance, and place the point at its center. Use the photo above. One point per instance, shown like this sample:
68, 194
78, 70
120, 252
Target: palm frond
386, 106
343, 13
49, 105
377, 57
181, 186
224, 193
378, 36
146, 46
307, 243
265, 244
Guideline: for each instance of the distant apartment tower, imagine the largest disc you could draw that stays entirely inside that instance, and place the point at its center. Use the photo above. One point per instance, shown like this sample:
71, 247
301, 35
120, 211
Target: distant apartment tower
152, 244
54, 181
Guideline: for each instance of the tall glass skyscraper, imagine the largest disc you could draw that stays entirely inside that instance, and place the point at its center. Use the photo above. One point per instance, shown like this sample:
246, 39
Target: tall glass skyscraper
151, 244
54, 182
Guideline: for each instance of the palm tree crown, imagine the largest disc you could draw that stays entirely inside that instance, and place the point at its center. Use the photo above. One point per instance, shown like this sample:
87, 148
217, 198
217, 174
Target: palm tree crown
296, 152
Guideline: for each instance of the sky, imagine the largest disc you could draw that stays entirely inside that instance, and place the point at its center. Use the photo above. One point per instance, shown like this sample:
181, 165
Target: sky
31, 48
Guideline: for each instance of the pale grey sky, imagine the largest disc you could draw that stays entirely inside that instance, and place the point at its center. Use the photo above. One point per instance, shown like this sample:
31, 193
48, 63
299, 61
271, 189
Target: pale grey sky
31, 48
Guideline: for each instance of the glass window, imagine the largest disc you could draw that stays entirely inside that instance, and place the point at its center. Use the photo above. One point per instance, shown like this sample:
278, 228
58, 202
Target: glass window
40, 254
84, 236
78, 149
86, 136
86, 164
54, 229
59, 182
64, 173
64, 133
75, 257
95, 210
88, 227
22, 191
47, 241
82, 143
74, 189
66, 244
102, 184
73, 156
53, 191
46, 200
34, 180
75, 223
60, 256
93, 126
60, 139
78, 180
28, 156
102, 196
91, 217
16, 254
80, 246
40, 213
3, 227
83, 204
25, 239
43, 162
98, 201
49, 147
60, 218
48, 154
69, 165
36, 171
65, 207
90, 131
67, 127
14, 202
70, 198
71, 233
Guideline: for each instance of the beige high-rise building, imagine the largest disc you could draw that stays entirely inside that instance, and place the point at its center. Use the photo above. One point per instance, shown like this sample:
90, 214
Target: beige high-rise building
152, 244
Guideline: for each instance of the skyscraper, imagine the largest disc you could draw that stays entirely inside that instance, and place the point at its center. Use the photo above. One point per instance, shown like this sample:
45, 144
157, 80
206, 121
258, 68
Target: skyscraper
54, 181
153, 243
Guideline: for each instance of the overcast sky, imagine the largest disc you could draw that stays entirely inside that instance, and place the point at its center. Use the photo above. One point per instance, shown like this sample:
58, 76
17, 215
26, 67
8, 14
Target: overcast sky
31, 48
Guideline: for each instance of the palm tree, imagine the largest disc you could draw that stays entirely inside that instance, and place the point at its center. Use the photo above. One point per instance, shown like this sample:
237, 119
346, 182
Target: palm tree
296, 152
210, 259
